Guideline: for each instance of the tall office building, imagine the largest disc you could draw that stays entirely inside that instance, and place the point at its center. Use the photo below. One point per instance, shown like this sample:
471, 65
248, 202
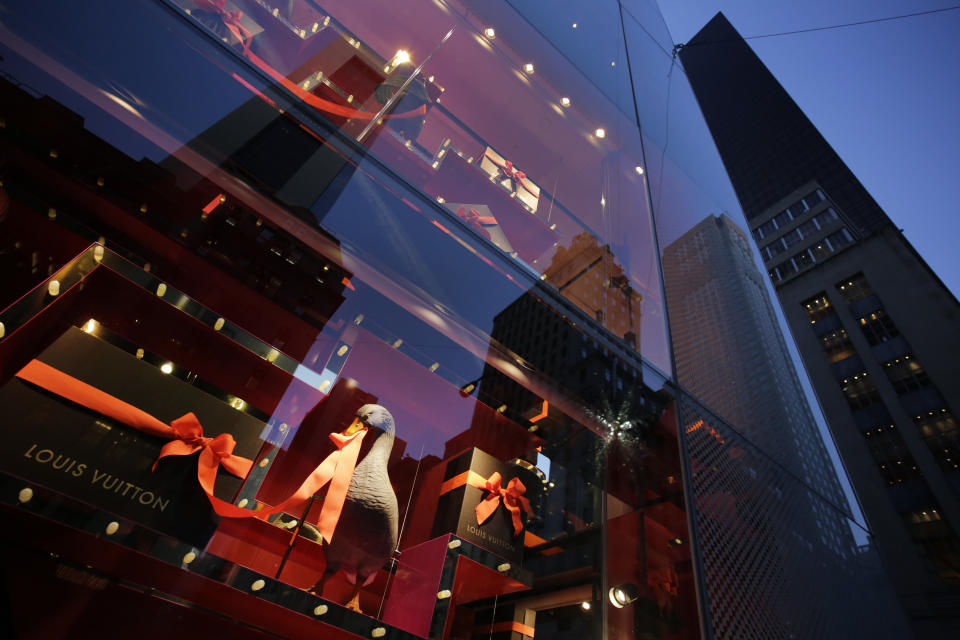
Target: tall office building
875, 326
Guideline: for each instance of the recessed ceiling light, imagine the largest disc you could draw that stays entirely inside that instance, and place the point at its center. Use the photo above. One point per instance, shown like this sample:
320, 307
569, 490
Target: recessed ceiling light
600, 133
490, 33
528, 67
640, 170
565, 101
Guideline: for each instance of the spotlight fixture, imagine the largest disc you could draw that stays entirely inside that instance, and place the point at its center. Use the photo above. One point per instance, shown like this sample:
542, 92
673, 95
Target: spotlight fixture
585, 605
600, 133
167, 367
565, 101
490, 33
624, 594
528, 67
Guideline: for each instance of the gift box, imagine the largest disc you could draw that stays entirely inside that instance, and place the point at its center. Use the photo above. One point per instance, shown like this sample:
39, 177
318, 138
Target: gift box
509, 177
484, 501
481, 220
223, 18
55, 442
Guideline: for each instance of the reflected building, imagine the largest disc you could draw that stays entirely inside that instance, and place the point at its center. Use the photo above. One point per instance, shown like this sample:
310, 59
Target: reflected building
875, 326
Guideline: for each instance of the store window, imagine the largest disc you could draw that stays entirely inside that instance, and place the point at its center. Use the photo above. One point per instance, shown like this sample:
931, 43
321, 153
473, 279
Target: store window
334, 270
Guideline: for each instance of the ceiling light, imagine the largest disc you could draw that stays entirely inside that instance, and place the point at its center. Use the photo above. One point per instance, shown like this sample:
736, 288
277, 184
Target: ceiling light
600, 133
490, 33
528, 67
623, 595
167, 367
574, 25
585, 605
565, 101
402, 56
639, 170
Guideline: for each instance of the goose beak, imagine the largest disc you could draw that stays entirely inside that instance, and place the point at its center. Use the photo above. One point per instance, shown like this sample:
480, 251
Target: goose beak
355, 426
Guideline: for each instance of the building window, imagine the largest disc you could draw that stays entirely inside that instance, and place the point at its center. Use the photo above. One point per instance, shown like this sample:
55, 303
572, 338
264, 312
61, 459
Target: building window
787, 268
906, 374
855, 288
776, 247
939, 544
782, 219
825, 218
840, 239
813, 198
860, 391
808, 228
837, 345
818, 307
796, 209
877, 327
767, 228
803, 260
792, 238
941, 435
820, 251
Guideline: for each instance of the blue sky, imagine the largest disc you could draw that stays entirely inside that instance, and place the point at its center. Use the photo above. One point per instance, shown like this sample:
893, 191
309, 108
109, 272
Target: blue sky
885, 95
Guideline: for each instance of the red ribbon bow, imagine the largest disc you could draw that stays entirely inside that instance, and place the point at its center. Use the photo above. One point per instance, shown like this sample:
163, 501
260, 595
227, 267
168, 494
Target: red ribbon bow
511, 497
513, 174
231, 19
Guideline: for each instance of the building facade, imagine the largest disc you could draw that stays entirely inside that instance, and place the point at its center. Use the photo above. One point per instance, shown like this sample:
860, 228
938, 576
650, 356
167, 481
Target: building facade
350, 319
873, 323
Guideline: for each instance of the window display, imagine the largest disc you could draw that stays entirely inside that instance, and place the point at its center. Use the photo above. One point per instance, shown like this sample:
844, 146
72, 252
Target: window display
414, 370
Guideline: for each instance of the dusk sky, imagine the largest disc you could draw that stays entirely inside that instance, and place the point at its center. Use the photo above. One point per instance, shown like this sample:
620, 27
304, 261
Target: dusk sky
885, 95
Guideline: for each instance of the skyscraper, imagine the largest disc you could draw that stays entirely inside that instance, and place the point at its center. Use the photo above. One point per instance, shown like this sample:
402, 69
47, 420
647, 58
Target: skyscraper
875, 326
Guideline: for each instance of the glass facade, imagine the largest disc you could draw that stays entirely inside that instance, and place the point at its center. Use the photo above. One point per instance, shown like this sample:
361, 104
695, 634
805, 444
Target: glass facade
347, 318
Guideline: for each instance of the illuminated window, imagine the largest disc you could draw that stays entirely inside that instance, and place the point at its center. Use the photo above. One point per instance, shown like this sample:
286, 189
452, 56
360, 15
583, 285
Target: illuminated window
854, 288
860, 391
877, 327
906, 374
818, 307
837, 345
941, 435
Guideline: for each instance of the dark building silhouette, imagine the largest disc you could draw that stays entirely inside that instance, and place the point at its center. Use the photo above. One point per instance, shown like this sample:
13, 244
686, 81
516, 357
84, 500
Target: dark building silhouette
875, 326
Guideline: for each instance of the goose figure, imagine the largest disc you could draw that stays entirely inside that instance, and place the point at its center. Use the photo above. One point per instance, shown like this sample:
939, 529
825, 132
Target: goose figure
366, 532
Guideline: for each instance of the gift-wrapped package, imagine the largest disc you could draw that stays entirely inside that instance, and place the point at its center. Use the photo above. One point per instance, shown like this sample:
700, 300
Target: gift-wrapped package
59, 443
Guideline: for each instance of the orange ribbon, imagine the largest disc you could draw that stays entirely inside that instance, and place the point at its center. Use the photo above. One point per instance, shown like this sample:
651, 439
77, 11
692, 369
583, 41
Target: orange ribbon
231, 19
186, 437
511, 497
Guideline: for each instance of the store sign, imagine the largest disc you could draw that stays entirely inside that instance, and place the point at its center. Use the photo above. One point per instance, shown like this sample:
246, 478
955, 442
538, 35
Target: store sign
73, 450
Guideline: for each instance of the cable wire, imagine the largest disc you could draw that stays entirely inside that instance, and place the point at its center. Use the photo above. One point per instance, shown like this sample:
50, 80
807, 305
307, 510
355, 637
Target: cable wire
834, 26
